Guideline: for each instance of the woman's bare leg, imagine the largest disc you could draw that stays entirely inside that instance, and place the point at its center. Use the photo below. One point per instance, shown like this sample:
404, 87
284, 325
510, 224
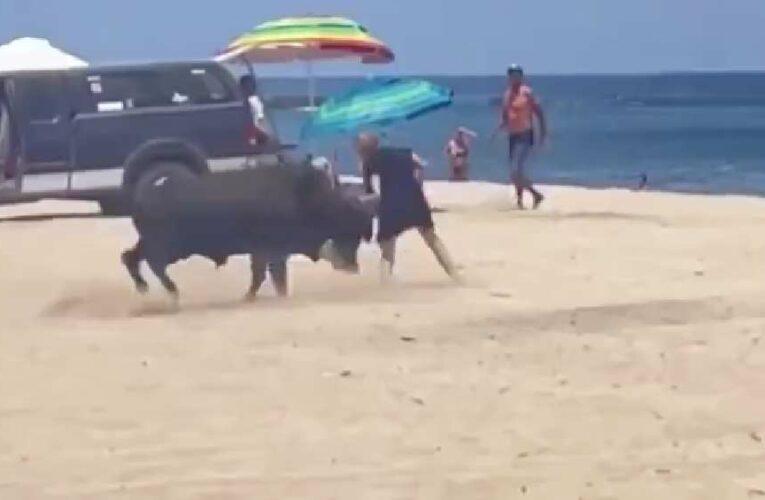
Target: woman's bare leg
439, 250
388, 260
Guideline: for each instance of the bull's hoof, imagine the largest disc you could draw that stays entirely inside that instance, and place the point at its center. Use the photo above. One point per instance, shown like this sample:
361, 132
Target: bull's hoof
142, 288
250, 297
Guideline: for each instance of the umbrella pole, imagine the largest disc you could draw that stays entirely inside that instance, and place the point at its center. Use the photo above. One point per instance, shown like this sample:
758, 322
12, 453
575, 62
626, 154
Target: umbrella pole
311, 86
311, 100
248, 65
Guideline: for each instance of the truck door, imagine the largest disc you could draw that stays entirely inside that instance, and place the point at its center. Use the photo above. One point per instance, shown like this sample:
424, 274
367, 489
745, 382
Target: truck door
44, 122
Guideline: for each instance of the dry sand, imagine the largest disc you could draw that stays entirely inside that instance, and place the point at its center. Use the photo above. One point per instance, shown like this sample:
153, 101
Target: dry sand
609, 346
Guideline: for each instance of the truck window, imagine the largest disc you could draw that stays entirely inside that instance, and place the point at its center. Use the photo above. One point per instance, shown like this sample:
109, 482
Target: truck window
120, 91
196, 86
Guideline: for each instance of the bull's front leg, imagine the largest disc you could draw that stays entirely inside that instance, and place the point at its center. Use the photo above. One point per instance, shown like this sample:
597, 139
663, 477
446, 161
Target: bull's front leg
258, 266
131, 259
160, 270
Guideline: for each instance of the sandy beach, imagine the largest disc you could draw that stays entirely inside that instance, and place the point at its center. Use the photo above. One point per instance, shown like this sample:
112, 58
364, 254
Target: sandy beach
609, 346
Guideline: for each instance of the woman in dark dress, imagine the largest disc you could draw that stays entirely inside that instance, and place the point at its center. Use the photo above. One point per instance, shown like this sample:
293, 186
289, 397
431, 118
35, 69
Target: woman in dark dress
403, 205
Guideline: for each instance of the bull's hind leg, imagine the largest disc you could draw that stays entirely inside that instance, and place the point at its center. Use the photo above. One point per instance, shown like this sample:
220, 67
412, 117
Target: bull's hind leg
277, 269
258, 266
160, 270
131, 259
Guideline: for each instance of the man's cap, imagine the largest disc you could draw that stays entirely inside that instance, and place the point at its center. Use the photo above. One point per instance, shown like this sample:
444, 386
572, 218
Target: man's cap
514, 69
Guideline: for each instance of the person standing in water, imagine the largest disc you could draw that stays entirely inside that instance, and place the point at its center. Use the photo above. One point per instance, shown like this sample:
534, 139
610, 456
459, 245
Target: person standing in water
519, 110
403, 205
458, 154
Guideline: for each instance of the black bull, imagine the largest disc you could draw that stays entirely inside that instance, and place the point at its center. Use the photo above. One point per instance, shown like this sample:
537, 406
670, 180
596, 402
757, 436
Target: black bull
266, 212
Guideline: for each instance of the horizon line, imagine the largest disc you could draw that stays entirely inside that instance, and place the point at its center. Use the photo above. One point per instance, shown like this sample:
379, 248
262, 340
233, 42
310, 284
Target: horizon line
532, 74
410, 74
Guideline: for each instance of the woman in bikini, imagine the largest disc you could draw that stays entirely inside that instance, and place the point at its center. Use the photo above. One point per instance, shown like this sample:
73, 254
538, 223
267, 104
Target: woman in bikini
519, 110
458, 155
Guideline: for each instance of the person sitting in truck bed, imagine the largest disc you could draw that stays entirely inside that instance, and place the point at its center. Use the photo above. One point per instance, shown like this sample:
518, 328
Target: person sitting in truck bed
249, 87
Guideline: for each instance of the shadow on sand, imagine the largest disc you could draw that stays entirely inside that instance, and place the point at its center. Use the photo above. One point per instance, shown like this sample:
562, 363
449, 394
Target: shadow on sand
108, 301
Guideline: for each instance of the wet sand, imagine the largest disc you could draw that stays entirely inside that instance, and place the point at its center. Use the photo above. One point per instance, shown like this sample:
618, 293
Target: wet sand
609, 346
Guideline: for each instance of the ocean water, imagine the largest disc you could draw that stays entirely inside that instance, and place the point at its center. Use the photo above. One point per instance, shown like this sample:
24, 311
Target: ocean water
687, 132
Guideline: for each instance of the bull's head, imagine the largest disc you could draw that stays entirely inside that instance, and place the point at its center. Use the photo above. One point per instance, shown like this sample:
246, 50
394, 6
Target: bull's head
343, 218
343, 254
352, 224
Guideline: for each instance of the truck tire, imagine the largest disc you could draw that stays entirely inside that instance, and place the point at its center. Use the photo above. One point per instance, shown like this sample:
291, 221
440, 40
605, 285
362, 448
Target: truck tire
155, 172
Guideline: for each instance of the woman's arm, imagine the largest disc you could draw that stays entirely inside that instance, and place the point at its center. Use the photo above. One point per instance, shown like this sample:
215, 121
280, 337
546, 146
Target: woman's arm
419, 162
419, 167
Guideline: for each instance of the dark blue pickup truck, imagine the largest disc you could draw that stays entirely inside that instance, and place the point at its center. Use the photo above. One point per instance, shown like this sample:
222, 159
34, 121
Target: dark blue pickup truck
94, 133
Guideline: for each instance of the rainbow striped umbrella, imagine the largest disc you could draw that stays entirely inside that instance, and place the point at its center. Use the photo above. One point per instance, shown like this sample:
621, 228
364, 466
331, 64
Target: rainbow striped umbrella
380, 103
307, 39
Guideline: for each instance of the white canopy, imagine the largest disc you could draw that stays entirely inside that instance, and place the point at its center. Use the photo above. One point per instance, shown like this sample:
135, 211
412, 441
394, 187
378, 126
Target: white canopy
35, 54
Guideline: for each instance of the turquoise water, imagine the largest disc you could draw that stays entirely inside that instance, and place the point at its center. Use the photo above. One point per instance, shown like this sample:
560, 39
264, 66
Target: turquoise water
687, 132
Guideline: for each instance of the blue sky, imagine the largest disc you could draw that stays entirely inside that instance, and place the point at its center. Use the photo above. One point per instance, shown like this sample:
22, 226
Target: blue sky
428, 36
